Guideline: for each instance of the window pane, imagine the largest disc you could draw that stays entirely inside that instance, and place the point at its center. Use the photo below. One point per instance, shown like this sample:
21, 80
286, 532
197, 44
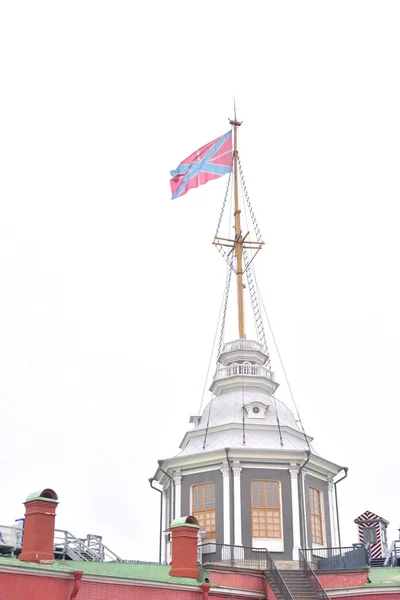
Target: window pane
203, 507
316, 516
266, 509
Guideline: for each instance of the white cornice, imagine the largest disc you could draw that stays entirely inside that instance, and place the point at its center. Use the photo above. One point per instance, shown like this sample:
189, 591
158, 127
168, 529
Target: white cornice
25, 570
249, 426
364, 591
208, 461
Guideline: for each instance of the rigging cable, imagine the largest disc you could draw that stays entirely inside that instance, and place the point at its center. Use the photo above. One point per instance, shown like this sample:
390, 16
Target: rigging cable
257, 315
282, 365
222, 311
224, 301
277, 420
221, 249
208, 423
224, 304
255, 298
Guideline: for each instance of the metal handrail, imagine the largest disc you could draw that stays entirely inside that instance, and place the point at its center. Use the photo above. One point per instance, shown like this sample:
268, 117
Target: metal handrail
234, 556
311, 576
336, 559
8, 536
81, 548
393, 552
244, 556
276, 578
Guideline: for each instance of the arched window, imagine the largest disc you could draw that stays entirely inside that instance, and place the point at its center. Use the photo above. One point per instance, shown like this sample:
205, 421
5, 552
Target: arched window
203, 507
246, 368
234, 369
266, 509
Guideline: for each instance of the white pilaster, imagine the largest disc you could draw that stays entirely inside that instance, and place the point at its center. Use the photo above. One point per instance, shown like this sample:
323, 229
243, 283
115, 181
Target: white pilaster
178, 493
238, 503
304, 490
294, 472
332, 514
227, 504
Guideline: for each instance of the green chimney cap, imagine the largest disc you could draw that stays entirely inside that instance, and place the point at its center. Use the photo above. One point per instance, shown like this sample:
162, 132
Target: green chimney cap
189, 521
47, 495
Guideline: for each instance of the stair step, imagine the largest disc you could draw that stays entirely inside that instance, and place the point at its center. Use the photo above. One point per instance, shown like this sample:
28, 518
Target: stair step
284, 565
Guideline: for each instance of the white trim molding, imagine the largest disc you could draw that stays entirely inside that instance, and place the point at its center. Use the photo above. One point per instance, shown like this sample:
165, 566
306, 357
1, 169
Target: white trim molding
226, 503
393, 591
178, 493
237, 469
294, 480
332, 514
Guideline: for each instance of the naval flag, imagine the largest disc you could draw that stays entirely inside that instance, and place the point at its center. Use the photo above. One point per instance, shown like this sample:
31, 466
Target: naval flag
209, 162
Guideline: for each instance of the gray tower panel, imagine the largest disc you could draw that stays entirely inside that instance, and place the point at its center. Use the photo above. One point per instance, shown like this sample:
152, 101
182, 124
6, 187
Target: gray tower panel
247, 476
216, 477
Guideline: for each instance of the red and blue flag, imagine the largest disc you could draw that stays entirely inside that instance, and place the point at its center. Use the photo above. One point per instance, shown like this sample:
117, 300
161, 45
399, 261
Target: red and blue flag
210, 162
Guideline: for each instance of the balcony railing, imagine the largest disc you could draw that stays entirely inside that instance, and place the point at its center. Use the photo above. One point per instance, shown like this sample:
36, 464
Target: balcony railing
336, 559
244, 369
242, 345
234, 556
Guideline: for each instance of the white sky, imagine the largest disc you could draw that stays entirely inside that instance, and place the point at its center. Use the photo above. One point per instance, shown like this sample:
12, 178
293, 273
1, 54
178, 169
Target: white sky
110, 292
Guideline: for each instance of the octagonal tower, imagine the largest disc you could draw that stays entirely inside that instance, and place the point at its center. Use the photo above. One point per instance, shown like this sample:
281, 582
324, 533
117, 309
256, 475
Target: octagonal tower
247, 470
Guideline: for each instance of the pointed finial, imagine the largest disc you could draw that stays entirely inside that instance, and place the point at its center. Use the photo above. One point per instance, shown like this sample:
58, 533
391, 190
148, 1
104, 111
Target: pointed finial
234, 121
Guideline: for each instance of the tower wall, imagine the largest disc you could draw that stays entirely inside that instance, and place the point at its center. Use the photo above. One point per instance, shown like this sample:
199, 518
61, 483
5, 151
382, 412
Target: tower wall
283, 476
319, 484
186, 503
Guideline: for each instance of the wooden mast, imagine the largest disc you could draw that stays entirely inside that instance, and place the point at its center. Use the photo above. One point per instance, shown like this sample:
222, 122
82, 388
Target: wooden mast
238, 231
241, 241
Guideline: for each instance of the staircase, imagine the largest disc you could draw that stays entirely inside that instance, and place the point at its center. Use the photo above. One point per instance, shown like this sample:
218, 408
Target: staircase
378, 562
91, 548
299, 585
393, 555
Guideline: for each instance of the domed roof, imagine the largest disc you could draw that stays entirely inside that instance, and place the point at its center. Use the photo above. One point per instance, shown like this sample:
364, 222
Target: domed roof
243, 411
229, 406
221, 424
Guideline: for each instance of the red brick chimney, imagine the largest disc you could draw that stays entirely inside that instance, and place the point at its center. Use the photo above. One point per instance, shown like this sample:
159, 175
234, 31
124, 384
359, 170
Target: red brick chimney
40, 514
184, 532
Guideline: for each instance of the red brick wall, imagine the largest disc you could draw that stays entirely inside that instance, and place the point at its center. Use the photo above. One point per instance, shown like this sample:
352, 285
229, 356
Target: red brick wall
247, 581
24, 587
342, 580
270, 592
33, 587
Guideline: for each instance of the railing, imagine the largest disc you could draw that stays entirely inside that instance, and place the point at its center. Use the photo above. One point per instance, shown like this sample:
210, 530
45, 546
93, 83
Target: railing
241, 556
242, 345
311, 576
336, 559
276, 579
8, 536
89, 549
244, 369
393, 555
233, 556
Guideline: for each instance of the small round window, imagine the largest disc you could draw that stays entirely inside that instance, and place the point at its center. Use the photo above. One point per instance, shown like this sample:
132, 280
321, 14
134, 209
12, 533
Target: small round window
256, 409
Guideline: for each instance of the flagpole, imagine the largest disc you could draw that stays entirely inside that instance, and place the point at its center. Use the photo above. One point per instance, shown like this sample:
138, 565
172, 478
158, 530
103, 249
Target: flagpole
238, 231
